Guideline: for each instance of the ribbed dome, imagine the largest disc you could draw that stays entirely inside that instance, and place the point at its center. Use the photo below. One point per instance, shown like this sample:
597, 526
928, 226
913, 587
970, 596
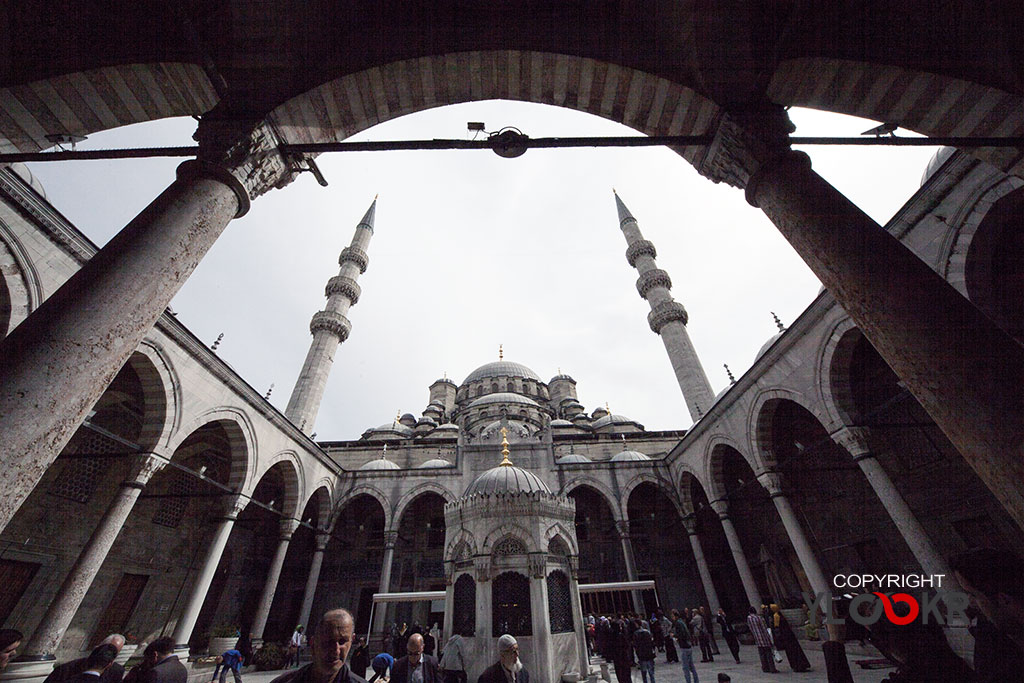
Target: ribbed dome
937, 160
436, 462
395, 428
503, 397
562, 423
501, 368
629, 456
610, 420
507, 479
380, 464
767, 345
572, 458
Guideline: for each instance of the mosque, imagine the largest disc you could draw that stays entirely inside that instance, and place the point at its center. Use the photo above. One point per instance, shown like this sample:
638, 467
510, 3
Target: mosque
149, 489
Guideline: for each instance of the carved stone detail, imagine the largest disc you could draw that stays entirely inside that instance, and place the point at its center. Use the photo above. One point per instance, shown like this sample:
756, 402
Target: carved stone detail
354, 255
574, 566
287, 528
743, 142
690, 524
390, 539
772, 482
721, 506
538, 565
249, 150
333, 322
482, 565
345, 286
664, 313
651, 279
854, 440
638, 249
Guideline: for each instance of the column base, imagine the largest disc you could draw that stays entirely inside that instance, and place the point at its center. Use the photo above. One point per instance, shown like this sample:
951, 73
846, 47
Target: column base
29, 671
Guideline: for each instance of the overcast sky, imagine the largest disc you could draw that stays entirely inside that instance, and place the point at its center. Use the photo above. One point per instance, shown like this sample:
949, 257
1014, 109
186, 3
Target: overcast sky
472, 251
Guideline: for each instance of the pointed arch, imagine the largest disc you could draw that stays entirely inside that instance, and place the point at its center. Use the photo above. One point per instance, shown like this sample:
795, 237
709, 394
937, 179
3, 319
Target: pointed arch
463, 539
510, 530
649, 478
241, 437
716, 449
600, 488
161, 387
426, 487
759, 419
363, 489
292, 476
833, 370
558, 532
324, 506
20, 290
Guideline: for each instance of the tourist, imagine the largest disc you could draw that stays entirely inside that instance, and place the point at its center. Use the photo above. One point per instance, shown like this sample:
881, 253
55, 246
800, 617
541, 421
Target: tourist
415, 665
622, 651
723, 678
509, 668
69, 670
729, 633
381, 666
329, 646
230, 659
700, 631
167, 668
98, 661
657, 633
759, 630
359, 661
149, 659
681, 630
709, 624
294, 648
10, 639
785, 639
453, 661
643, 645
671, 655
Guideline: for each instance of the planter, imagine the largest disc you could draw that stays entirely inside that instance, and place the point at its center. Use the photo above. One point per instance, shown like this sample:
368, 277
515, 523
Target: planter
220, 645
125, 654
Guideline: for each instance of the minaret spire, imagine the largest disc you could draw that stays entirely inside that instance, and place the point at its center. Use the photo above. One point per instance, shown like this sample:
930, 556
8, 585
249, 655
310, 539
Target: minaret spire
330, 327
667, 318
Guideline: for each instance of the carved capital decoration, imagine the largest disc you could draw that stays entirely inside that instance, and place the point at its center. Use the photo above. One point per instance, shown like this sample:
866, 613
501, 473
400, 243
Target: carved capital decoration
772, 482
538, 565
854, 440
574, 567
390, 539
665, 313
691, 525
346, 286
622, 528
288, 527
332, 322
743, 143
638, 249
651, 279
321, 540
721, 506
482, 565
234, 507
354, 255
142, 468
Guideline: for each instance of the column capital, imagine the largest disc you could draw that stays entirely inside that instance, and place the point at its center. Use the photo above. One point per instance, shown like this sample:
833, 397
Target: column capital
287, 528
574, 567
744, 141
390, 539
141, 469
538, 565
772, 482
854, 440
622, 528
721, 506
690, 524
322, 538
234, 506
482, 565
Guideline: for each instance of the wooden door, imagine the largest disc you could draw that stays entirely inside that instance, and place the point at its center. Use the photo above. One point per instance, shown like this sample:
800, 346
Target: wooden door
122, 604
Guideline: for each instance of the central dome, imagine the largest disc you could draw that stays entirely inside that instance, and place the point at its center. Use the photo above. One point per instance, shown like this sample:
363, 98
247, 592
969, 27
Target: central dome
507, 479
501, 368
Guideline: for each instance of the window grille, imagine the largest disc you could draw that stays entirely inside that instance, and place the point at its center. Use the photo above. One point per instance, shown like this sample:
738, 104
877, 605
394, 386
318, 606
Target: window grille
80, 476
510, 604
559, 602
510, 546
464, 604
172, 510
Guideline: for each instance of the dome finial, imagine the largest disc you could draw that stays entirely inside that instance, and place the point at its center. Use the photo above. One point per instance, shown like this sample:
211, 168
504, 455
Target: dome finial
607, 408
732, 380
505, 462
778, 323
384, 452
623, 437
501, 352
398, 415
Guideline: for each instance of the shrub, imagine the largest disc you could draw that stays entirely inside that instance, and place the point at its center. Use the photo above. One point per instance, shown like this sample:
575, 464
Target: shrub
223, 631
270, 657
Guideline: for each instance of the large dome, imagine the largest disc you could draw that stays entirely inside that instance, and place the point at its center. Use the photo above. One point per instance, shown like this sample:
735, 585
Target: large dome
501, 368
506, 479
503, 397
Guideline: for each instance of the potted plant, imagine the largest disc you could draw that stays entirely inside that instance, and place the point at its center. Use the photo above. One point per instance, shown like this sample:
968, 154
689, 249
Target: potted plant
223, 637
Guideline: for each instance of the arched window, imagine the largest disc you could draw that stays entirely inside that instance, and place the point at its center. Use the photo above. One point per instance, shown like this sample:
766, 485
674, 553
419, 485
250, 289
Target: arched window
510, 546
494, 387
464, 605
510, 605
559, 602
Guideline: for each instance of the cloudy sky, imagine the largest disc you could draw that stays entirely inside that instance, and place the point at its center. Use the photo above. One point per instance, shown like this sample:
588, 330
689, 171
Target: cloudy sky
472, 251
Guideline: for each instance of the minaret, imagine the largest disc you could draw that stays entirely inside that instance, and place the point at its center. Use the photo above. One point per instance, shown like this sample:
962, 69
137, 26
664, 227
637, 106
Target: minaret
330, 327
667, 317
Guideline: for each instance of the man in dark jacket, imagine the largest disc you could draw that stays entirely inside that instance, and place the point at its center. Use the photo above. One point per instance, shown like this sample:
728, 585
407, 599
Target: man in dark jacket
167, 669
68, 670
508, 668
98, 661
416, 667
329, 646
643, 645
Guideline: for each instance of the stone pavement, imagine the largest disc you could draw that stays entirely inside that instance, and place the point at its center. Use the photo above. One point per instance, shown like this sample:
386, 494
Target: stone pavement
749, 671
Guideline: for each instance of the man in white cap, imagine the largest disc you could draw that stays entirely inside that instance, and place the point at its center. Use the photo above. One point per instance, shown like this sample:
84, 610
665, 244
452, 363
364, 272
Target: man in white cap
508, 668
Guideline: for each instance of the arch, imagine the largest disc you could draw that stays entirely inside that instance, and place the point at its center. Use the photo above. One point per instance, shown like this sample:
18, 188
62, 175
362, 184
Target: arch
161, 387
20, 291
509, 531
601, 489
463, 539
759, 418
368, 490
556, 534
717, 447
241, 436
649, 478
323, 503
291, 471
833, 371
426, 487
686, 478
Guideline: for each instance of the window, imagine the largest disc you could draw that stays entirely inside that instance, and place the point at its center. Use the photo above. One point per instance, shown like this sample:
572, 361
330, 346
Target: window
15, 578
510, 604
172, 510
559, 602
122, 604
464, 605
78, 480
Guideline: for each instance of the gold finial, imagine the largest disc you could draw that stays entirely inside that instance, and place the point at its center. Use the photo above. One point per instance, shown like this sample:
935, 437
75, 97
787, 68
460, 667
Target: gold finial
501, 352
607, 408
375, 196
505, 462
398, 415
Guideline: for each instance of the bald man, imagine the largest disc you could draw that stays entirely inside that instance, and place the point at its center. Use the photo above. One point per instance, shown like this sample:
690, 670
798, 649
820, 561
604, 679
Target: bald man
113, 673
329, 645
416, 667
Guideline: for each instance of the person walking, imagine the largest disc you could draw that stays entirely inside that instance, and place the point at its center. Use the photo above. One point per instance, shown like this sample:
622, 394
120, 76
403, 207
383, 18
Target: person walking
453, 660
68, 670
509, 668
329, 644
381, 665
709, 624
622, 651
763, 641
681, 630
359, 661
785, 639
643, 645
294, 648
168, 669
416, 667
729, 633
700, 632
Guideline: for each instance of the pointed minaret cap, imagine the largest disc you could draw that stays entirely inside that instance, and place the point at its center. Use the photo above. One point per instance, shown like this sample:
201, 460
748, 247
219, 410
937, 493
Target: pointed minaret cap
624, 214
371, 213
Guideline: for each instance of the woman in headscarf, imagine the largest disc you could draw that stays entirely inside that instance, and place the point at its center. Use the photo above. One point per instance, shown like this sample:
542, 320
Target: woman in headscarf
786, 640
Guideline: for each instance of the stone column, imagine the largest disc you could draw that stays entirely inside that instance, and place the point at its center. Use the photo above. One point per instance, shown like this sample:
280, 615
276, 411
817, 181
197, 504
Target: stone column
201, 584
576, 602
702, 565
772, 482
380, 615
965, 371
288, 527
62, 610
622, 528
61, 358
322, 538
721, 506
539, 615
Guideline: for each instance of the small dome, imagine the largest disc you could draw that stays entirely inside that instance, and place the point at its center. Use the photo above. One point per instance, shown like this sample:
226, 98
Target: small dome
380, 464
394, 429
562, 423
598, 413
938, 159
609, 420
503, 397
22, 171
767, 345
564, 377
506, 479
629, 456
408, 420
426, 420
436, 462
572, 458
501, 368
